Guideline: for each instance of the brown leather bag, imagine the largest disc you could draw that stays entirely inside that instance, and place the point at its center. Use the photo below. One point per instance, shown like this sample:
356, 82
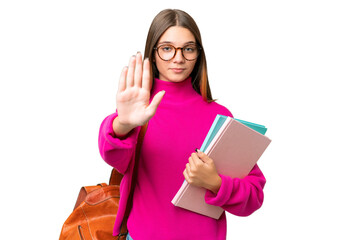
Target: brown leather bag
94, 213
96, 207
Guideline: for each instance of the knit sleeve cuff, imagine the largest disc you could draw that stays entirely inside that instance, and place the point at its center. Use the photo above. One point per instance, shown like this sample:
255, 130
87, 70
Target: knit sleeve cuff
224, 193
127, 141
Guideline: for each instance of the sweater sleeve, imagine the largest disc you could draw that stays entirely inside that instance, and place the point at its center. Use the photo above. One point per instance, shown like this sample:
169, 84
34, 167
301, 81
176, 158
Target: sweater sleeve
240, 197
116, 152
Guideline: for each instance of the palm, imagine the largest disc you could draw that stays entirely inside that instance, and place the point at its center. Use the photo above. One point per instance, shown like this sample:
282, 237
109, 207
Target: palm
132, 106
132, 99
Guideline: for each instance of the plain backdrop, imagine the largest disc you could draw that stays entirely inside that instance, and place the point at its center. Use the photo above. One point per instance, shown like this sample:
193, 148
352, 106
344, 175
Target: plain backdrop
293, 66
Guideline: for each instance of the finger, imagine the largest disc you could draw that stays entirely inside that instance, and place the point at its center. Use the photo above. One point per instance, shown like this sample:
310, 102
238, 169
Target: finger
203, 157
189, 171
188, 168
151, 109
138, 70
196, 158
192, 162
186, 174
146, 78
130, 72
122, 80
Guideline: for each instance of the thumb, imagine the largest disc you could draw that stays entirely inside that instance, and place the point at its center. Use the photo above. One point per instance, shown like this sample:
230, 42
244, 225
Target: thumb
151, 109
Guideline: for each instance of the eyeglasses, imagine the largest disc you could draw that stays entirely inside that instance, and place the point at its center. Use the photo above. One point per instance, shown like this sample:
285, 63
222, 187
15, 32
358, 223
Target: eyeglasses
167, 51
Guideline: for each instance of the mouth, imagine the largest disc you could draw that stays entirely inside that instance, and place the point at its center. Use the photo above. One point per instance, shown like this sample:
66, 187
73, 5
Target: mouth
177, 70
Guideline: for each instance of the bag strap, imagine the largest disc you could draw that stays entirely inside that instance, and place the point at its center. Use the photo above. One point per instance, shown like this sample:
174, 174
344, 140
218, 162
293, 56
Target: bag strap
123, 227
115, 177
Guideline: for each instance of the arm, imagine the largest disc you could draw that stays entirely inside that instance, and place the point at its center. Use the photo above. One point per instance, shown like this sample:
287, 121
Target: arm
240, 197
119, 131
115, 151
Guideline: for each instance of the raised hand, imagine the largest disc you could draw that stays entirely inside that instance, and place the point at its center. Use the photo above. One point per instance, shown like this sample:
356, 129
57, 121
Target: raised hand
133, 95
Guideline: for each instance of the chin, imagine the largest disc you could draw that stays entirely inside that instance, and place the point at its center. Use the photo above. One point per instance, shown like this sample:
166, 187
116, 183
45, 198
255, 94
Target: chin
178, 79
175, 78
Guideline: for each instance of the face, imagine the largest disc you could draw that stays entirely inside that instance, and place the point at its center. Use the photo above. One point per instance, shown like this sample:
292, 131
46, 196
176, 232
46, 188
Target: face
177, 69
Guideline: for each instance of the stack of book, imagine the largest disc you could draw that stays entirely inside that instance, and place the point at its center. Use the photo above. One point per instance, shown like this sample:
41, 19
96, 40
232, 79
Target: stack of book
235, 147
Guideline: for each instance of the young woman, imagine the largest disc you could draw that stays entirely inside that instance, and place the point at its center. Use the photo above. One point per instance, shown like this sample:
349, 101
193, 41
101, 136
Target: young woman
169, 90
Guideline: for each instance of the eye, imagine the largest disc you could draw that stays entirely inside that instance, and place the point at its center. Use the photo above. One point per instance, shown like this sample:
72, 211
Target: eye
166, 48
190, 49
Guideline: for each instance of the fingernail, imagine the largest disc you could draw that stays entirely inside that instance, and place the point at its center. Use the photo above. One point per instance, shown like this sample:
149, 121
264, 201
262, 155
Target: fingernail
196, 150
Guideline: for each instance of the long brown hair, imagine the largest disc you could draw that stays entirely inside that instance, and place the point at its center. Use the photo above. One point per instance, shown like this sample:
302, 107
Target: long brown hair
170, 18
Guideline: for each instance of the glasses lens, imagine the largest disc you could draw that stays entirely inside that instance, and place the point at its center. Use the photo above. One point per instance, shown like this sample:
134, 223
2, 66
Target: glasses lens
190, 52
166, 52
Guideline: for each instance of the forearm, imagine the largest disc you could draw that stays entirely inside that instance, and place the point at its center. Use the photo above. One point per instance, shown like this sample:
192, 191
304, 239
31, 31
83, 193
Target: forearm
115, 151
214, 186
239, 196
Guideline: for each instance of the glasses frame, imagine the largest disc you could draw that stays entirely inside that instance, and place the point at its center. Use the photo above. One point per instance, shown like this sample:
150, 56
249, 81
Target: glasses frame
176, 49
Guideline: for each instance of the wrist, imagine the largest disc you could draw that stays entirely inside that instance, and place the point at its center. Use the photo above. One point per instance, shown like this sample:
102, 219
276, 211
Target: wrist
215, 187
121, 129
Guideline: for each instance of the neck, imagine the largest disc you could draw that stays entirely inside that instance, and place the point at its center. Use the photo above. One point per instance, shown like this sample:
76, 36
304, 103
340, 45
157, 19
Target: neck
177, 92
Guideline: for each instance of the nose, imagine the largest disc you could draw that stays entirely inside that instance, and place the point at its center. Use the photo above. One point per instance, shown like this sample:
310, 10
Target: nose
178, 56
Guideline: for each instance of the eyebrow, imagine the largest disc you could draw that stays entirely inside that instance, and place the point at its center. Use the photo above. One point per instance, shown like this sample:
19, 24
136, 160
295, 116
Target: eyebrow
168, 42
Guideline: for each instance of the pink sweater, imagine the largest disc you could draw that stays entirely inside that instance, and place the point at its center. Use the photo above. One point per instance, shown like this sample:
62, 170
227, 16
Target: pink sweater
179, 126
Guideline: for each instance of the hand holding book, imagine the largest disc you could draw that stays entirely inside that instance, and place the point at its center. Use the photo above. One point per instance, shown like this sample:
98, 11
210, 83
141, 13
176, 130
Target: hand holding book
201, 172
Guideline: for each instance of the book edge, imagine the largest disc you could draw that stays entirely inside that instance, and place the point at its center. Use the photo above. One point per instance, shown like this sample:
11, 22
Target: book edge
217, 136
